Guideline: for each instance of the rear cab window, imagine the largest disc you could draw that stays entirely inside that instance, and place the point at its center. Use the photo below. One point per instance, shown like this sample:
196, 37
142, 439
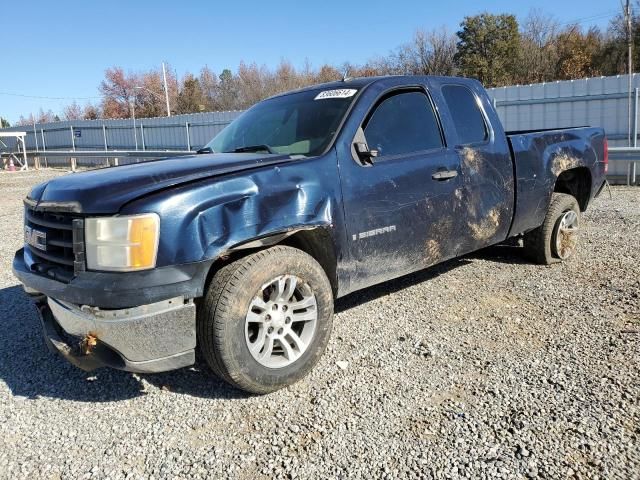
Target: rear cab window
402, 123
467, 117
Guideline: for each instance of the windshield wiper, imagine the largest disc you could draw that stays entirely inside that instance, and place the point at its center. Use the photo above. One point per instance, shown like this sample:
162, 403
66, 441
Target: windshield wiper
254, 148
205, 150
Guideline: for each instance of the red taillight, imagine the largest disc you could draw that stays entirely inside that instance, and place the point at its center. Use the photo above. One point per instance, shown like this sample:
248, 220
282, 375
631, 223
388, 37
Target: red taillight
606, 155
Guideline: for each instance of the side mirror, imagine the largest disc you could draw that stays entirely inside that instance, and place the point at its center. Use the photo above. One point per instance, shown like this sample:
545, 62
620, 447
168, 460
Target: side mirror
363, 152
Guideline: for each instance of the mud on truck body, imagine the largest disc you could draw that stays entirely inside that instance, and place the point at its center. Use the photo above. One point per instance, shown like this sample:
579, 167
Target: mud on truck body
240, 250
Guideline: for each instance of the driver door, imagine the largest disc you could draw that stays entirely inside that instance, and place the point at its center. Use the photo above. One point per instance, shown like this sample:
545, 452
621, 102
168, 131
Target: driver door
400, 207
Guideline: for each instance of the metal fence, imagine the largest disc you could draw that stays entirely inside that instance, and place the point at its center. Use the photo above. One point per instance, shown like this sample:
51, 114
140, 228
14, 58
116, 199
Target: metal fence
599, 102
179, 132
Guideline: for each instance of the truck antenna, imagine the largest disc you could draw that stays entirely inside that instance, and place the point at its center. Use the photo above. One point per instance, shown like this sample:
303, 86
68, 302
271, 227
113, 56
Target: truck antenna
345, 75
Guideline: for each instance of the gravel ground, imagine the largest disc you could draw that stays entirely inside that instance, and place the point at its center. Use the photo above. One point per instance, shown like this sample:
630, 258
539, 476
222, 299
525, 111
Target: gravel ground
483, 367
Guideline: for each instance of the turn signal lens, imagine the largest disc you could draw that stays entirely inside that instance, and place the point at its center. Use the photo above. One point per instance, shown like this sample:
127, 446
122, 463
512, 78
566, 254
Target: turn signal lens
122, 244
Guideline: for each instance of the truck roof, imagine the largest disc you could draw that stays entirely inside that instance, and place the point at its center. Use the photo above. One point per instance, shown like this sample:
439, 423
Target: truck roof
360, 82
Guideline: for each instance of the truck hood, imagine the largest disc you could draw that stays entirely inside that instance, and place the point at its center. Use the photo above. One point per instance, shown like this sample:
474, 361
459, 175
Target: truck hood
107, 190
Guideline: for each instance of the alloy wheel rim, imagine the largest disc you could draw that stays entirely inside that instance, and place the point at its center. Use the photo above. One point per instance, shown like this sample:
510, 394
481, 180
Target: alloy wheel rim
281, 321
567, 234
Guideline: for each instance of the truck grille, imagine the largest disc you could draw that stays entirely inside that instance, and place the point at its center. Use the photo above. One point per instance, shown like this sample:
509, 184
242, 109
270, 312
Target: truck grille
55, 242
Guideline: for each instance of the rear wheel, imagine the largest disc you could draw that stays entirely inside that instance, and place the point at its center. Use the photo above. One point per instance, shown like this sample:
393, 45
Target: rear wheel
556, 239
266, 319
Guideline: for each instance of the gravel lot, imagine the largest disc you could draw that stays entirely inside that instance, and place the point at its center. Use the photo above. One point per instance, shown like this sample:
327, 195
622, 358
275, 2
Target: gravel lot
483, 367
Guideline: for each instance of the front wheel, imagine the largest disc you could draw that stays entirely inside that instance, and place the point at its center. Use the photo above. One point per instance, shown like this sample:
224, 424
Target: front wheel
266, 319
556, 239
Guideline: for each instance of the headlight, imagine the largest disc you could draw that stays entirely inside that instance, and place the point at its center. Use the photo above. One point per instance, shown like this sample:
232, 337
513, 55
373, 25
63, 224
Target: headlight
122, 244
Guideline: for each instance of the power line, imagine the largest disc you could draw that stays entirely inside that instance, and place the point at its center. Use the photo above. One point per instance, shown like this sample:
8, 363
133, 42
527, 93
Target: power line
598, 16
41, 97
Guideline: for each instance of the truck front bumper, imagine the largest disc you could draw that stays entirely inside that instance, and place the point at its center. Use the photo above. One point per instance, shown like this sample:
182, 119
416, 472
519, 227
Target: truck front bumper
146, 339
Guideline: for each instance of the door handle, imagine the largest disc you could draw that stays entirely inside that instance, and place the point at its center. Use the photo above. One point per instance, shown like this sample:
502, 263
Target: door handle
441, 175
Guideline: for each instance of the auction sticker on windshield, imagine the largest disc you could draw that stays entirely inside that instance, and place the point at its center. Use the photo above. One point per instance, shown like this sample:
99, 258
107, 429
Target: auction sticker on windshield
339, 93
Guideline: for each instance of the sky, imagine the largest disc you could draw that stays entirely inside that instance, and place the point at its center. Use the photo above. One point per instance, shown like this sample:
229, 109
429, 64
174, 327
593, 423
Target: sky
61, 48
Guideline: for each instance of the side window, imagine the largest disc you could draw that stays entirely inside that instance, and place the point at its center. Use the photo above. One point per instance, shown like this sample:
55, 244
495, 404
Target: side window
466, 114
403, 123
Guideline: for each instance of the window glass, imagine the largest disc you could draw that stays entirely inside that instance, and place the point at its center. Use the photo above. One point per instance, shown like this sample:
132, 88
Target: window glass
302, 123
403, 123
466, 114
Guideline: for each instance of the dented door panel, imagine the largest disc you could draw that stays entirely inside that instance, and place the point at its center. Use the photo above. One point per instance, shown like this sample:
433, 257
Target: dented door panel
485, 199
399, 219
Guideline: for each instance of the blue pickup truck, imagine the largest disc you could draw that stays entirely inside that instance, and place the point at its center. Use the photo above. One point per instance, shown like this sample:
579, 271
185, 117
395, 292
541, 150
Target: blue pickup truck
239, 251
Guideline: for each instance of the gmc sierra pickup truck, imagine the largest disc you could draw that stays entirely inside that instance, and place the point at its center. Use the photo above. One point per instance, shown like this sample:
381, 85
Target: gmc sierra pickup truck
240, 250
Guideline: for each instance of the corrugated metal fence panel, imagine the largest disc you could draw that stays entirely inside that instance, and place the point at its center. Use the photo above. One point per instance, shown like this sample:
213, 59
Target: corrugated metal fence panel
162, 133
600, 102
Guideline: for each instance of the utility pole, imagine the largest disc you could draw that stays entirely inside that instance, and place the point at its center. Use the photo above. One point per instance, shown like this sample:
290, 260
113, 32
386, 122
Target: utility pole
627, 18
166, 90
133, 115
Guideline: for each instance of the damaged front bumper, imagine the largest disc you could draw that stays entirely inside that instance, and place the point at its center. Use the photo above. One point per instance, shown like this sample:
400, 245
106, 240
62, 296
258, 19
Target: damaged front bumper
146, 339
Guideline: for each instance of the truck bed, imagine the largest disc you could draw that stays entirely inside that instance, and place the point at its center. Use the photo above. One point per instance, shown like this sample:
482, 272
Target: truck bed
541, 156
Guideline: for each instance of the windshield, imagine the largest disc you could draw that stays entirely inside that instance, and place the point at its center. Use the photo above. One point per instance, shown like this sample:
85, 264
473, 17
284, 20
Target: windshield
301, 123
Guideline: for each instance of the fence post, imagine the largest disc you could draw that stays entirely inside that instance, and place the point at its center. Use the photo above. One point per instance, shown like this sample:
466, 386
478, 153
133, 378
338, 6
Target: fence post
44, 144
73, 142
632, 165
104, 137
142, 137
186, 124
35, 135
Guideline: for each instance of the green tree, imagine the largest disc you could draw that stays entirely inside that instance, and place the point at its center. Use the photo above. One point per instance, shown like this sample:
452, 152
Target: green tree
228, 91
190, 97
4, 123
488, 48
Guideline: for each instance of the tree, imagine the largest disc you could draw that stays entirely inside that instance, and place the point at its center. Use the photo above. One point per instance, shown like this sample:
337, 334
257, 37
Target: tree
4, 123
228, 94
210, 88
576, 53
190, 98
118, 91
72, 112
613, 56
538, 48
91, 112
429, 53
326, 74
150, 98
488, 48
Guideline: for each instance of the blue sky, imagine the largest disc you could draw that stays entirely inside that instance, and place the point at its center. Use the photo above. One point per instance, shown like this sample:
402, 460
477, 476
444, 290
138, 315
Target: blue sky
61, 48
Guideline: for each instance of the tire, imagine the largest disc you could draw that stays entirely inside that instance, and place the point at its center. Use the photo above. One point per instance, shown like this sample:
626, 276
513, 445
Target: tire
541, 244
239, 290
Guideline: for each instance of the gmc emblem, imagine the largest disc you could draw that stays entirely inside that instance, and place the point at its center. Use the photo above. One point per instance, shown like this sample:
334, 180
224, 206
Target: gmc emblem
35, 238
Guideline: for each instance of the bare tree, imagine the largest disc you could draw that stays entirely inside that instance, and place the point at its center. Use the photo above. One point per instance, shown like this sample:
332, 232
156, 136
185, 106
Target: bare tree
539, 50
117, 90
72, 111
91, 112
429, 53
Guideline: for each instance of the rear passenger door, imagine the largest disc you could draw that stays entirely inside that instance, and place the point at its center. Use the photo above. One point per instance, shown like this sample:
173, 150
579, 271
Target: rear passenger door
486, 195
397, 207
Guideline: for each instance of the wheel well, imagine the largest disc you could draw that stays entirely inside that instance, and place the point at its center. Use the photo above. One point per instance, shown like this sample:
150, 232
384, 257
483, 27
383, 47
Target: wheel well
576, 182
319, 244
316, 242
